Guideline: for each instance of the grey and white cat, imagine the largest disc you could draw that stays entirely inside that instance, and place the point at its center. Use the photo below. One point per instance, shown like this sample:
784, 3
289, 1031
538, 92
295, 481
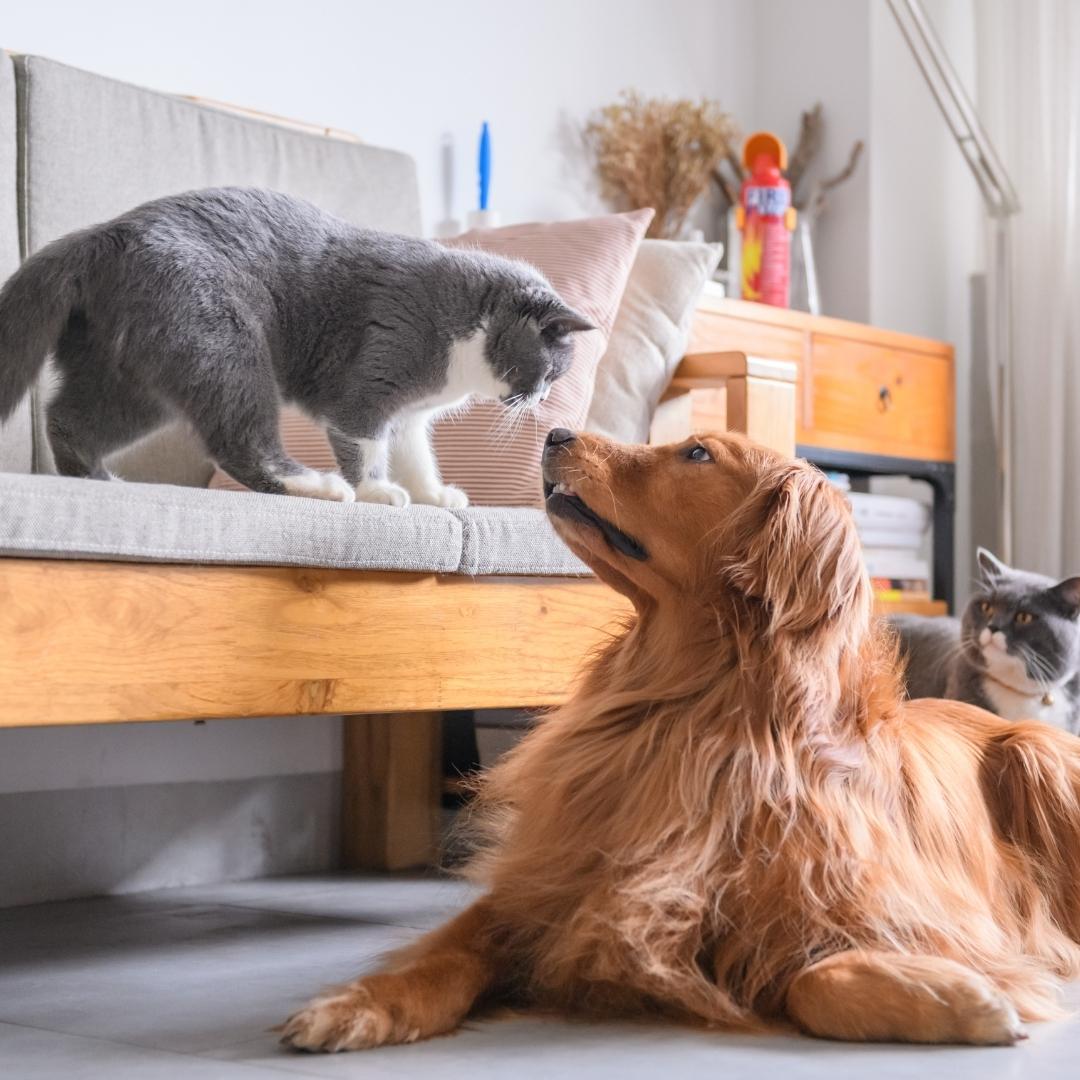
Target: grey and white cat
1015, 652
216, 306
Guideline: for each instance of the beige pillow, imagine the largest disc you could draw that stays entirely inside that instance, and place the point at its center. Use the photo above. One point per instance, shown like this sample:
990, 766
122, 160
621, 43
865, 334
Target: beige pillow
650, 334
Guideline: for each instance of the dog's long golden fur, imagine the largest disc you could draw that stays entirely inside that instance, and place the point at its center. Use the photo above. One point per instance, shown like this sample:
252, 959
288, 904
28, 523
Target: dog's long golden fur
736, 819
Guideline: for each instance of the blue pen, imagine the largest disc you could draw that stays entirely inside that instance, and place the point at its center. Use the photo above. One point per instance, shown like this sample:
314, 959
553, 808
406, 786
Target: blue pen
485, 165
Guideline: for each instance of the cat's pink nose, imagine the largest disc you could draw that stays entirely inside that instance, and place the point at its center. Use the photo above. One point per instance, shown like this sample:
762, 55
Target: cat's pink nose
993, 637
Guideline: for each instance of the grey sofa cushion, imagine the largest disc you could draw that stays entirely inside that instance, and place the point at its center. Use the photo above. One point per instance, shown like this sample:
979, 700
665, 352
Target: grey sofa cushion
59, 517
96, 147
16, 439
513, 540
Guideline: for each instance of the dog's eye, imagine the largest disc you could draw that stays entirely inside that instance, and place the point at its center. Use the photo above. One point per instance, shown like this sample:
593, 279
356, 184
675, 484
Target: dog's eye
986, 607
1022, 618
698, 453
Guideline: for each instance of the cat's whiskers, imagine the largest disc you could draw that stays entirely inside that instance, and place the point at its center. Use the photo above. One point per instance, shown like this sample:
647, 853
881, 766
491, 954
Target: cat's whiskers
1039, 663
518, 414
505, 416
533, 415
963, 647
509, 423
453, 413
1038, 668
503, 433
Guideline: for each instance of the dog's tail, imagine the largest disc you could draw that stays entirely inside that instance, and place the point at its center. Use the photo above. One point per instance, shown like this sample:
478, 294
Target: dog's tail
35, 305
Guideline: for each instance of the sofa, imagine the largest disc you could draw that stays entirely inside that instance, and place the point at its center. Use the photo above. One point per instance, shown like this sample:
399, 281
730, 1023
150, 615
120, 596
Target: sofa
157, 599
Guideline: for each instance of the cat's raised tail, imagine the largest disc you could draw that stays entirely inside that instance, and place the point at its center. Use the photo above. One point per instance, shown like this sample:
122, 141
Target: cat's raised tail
35, 304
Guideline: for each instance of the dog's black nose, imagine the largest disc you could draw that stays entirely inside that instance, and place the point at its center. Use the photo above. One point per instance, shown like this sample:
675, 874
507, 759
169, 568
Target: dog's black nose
558, 436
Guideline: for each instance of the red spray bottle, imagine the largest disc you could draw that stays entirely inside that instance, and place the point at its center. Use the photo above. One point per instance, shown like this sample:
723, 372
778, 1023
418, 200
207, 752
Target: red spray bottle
766, 219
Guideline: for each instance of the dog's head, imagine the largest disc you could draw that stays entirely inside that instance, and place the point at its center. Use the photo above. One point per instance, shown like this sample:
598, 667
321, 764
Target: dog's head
706, 520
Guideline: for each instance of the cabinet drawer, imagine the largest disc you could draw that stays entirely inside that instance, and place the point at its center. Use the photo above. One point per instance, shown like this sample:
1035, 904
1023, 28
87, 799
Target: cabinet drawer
713, 331
877, 400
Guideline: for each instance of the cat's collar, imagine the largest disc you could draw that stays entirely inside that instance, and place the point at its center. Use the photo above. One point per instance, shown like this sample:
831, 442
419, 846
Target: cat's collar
1045, 697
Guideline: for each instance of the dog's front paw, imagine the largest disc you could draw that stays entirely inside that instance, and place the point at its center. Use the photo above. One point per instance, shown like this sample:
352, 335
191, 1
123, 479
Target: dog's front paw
382, 491
350, 1020
986, 1017
445, 495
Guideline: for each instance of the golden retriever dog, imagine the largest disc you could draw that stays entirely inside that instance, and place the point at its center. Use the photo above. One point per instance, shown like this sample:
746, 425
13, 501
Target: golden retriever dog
736, 820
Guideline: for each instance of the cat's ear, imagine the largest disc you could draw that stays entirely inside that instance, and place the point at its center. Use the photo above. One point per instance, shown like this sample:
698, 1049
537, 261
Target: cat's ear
1067, 593
562, 323
990, 565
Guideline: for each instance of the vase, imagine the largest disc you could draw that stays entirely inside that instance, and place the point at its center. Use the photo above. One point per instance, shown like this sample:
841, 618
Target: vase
729, 273
804, 295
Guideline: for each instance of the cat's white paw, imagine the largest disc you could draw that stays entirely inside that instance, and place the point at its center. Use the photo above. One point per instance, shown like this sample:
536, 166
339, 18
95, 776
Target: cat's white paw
453, 498
382, 491
317, 485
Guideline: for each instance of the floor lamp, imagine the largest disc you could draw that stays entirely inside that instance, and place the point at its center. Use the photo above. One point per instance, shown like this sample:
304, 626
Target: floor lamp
1002, 204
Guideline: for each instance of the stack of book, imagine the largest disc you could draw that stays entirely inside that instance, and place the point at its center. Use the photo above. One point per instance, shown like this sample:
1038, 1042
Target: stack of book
894, 533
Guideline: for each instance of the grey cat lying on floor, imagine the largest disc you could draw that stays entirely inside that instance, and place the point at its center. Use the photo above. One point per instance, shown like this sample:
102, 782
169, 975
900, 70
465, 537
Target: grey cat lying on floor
215, 306
1016, 652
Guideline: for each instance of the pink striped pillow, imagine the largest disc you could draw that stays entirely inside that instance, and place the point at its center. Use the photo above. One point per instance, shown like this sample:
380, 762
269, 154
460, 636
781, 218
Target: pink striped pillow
587, 261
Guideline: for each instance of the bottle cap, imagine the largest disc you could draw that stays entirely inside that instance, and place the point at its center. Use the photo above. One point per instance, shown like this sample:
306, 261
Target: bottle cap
764, 144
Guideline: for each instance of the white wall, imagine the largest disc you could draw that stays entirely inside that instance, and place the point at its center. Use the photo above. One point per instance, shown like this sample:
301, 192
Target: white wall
925, 237
810, 52
100, 756
404, 73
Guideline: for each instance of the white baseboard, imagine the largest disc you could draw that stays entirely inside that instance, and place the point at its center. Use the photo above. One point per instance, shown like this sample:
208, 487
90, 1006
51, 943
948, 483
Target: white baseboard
92, 841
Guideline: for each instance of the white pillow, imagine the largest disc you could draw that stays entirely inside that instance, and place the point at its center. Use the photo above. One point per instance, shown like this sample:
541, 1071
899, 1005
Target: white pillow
649, 336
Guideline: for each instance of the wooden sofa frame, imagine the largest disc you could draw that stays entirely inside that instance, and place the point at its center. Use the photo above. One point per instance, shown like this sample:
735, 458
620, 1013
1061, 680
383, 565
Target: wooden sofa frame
112, 642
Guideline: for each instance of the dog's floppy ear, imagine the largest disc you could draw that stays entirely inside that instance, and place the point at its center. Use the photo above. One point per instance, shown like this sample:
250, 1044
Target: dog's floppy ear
795, 549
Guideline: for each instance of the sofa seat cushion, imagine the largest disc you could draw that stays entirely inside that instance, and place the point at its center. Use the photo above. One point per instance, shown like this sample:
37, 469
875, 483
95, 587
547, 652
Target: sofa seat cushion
64, 518
513, 540
60, 517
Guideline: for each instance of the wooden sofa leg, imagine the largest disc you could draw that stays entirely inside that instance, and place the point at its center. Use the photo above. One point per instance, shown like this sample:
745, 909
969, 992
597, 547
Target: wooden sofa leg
392, 789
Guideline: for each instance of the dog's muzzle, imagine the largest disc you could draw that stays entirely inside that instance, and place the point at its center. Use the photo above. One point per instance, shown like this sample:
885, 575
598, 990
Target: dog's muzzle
561, 501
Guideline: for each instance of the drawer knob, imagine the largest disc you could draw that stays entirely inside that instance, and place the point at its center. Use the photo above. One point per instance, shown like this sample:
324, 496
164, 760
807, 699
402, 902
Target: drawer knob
884, 399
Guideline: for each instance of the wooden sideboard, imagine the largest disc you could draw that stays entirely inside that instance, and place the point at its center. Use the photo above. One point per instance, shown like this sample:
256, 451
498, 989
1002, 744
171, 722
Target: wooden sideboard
868, 402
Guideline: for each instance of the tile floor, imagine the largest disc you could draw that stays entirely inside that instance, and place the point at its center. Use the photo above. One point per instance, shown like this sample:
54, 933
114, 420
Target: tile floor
185, 983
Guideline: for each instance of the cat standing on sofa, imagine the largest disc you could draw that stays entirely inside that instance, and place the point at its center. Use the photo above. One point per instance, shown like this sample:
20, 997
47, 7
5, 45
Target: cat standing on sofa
1016, 652
216, 306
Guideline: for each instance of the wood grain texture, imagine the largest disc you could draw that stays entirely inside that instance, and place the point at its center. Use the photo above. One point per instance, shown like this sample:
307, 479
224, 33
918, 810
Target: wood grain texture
910, 607
720, 408
764, 409
90, 642
802, 322
391, 786
731, 391
710, 366
673, 418
877, 399
719, 331
842, 368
